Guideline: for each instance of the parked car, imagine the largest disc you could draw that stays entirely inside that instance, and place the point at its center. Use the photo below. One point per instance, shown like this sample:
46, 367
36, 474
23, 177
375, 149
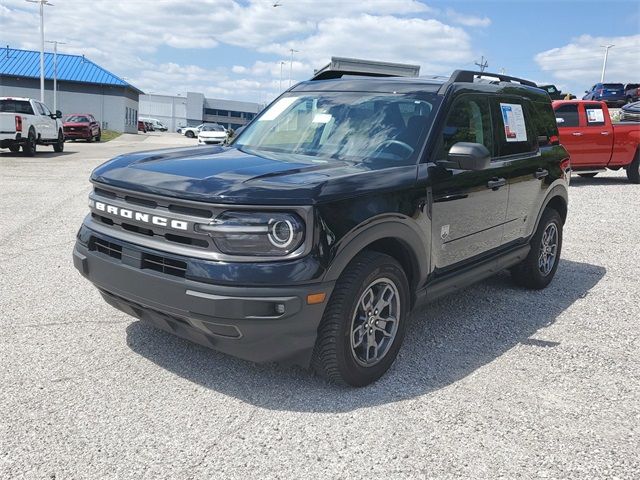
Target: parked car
594, 142
212, 134
191, 132
157, 124
611, 93
26, 123
342, 207
632, 92
81, 126
142, 127
630, 112
554, 93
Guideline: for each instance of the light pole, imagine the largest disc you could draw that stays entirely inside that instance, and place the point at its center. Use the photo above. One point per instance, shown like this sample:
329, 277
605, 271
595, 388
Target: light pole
55, 72
291, 64
604, 64
281, 65
42, 4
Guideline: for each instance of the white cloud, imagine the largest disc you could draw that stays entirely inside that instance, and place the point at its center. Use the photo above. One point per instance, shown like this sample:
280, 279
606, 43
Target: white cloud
467, 20
580, 62
128, 38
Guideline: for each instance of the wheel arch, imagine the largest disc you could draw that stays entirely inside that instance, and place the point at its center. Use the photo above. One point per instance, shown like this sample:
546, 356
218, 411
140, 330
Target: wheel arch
558, 199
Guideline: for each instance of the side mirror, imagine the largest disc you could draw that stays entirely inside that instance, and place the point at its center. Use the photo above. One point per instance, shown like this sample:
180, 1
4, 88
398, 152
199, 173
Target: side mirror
559, 120
586, 91
469, 156
58, 114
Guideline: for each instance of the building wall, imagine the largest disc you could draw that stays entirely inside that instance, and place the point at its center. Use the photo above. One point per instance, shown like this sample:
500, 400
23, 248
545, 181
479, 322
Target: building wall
170, 110
107, 103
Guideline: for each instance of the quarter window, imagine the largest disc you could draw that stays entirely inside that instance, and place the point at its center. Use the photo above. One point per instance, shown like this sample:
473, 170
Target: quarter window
518, 138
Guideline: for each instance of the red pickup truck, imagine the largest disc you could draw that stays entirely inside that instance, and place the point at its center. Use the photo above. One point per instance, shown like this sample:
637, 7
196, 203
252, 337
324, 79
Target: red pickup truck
594, 142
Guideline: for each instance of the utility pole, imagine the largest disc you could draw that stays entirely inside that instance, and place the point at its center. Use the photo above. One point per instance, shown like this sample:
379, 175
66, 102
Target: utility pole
604, 64
55, 72
483, 64
291, 64
42, 3
281, 65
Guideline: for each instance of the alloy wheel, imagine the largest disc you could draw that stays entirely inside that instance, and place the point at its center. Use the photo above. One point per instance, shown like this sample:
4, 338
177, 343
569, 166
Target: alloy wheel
548, 249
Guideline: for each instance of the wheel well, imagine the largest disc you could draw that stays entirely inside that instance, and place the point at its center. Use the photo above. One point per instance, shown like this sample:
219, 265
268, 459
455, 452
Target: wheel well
559, 205
397, 249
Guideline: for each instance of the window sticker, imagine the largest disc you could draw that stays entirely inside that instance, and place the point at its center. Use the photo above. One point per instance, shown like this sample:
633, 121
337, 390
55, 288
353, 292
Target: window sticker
322, 118
595, 115
277, 108
515, 130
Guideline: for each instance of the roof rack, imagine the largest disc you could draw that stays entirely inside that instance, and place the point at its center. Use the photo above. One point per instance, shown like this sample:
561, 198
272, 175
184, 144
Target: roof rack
469, 76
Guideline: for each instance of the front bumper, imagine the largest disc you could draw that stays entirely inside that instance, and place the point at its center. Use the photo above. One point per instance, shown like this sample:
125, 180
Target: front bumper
211, 141
260, 324
77, 134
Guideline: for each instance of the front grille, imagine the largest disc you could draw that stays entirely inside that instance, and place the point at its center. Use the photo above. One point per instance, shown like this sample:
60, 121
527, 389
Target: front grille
108, 248
165, 265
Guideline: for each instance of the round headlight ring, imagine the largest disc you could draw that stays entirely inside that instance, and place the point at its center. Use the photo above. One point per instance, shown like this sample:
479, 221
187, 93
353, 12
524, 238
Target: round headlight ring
279, 238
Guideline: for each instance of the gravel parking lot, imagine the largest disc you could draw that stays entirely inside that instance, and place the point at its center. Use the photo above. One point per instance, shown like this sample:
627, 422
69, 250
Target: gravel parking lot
492, 382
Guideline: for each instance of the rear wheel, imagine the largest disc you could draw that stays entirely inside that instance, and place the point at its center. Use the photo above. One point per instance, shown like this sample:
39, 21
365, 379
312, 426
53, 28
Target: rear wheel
29, 147
588, 175
364, 323
59, 145
633, 170
539, 268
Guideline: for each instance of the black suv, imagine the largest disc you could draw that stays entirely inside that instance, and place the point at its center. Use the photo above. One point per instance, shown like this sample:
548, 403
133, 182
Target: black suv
343, 206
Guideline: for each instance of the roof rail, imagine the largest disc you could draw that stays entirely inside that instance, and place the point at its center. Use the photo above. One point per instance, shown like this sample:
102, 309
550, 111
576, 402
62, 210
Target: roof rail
469, 76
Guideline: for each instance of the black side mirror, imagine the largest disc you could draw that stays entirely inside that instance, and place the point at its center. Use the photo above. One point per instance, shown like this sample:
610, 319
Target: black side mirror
58, 114
469, 156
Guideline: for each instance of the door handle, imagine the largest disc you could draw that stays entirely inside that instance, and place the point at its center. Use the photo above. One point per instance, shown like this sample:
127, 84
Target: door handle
604, 133
541, 173
495, 183
576, 134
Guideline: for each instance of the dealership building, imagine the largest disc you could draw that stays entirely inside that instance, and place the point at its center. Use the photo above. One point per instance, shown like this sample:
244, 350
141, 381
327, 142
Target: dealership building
192, 109
83, 86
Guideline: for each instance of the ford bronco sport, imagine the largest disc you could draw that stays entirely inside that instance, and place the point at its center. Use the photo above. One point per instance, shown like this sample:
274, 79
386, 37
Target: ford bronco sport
344, 205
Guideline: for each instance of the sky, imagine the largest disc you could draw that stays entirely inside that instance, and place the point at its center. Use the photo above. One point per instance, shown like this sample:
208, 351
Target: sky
240, 49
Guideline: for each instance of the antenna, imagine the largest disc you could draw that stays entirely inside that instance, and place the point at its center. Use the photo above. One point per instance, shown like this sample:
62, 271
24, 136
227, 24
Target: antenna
483, 64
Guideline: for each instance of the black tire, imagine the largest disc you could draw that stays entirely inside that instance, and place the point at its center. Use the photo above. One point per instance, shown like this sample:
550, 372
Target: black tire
14, 148
99, 136
190, 134
529, 273
29, 147
633, 170
58, 147
334, 357
588, 175
90, 139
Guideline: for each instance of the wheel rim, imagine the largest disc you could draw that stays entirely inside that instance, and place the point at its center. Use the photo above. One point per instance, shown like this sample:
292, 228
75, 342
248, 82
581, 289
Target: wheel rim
548, 249
374, 324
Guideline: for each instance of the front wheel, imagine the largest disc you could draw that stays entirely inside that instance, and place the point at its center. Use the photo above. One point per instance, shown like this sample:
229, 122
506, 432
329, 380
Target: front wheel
539, 268
99, 136
58, 147
190, 134
14, 148
633, 170
364, 323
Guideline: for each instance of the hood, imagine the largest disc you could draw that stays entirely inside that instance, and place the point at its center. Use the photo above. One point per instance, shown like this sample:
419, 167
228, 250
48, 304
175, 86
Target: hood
231, 175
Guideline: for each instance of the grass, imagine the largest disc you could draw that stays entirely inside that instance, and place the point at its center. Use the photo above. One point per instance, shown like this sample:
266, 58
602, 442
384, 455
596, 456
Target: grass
109, 135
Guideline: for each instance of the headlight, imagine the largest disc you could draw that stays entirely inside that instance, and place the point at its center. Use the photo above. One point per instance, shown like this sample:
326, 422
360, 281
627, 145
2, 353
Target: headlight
256, 233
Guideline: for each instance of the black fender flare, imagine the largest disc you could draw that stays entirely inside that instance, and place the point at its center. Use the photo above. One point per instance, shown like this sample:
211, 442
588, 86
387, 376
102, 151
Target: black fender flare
399, 228
559, 191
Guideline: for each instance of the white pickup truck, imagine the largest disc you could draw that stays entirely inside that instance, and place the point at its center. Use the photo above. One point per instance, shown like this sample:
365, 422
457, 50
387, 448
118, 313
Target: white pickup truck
25, 123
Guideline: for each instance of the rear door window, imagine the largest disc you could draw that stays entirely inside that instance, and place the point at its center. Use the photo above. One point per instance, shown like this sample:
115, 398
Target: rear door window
516, 134
567, 116
594, 114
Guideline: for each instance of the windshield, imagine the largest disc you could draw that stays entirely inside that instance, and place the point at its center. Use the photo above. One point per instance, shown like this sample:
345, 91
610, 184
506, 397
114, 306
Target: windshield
77, 118
212, 128
351, 126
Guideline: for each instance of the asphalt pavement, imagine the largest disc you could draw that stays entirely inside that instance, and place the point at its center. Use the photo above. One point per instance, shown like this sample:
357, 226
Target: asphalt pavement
493, 382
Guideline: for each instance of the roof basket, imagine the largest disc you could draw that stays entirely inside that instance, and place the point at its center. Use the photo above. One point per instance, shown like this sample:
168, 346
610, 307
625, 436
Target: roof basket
468, 76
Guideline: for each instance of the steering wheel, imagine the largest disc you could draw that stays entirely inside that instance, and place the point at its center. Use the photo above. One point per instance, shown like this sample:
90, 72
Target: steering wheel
404, 145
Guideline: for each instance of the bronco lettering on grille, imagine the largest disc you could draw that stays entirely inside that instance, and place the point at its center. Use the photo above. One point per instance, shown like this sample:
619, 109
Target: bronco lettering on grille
140, 217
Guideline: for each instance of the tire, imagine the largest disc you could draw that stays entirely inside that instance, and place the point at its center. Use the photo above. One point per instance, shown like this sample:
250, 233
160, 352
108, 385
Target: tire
89, 139
538, 269
14, 148
341, 354
58, 147
633, 170
587, 175
99, 136
190, 134
29, 148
